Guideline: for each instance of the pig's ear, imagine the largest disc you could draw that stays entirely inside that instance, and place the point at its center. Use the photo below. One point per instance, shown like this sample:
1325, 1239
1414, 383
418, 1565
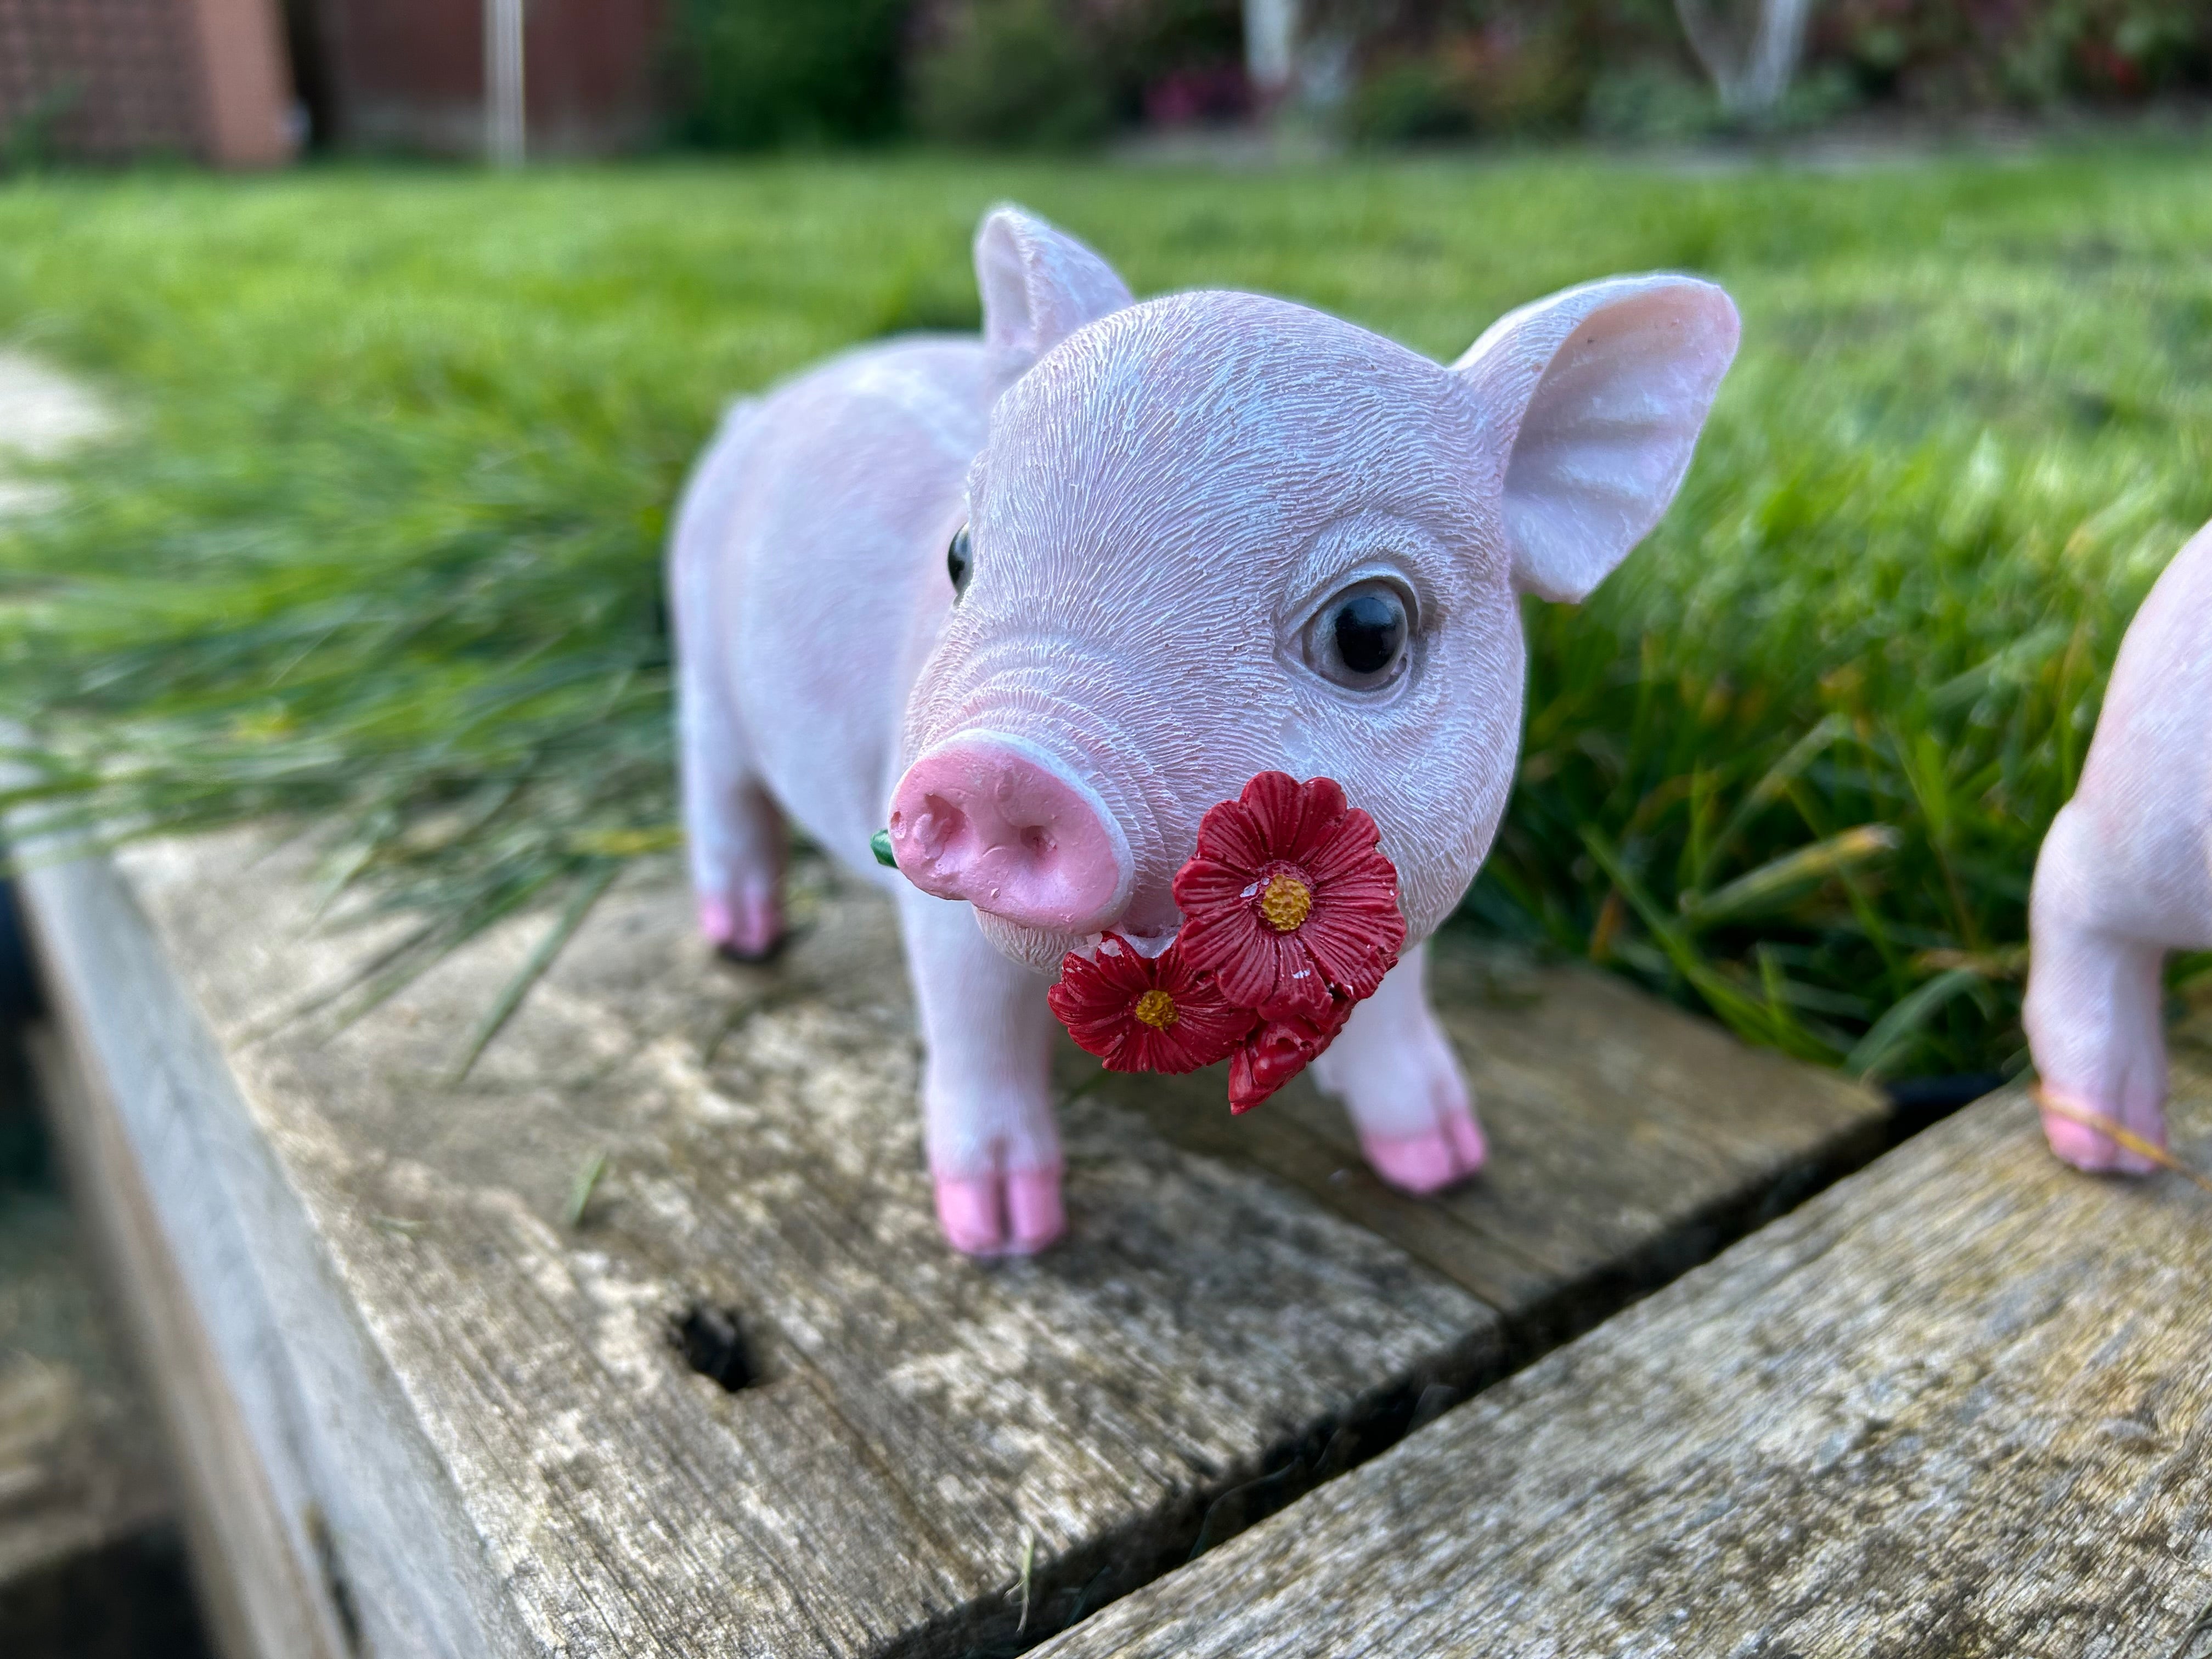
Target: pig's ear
1597, 395
1039, 284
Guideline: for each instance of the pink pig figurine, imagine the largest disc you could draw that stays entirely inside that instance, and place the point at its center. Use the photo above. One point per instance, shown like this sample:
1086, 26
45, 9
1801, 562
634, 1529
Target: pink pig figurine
1035, 602
2124, 876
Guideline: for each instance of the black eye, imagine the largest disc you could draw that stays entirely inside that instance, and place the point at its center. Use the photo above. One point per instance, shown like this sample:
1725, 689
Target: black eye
1358, 640
959, 559
1368, 631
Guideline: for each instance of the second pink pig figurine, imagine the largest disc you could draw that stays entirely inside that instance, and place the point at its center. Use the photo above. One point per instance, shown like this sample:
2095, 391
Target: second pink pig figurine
2125, 877
1034, 603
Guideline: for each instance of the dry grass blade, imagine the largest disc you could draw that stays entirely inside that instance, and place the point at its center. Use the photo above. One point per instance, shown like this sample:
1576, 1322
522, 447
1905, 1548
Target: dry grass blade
2125, 1136
588, 1176
1782, 878
588, 893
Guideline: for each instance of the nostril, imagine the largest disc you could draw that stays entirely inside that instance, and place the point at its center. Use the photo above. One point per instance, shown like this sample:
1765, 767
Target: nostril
941, 820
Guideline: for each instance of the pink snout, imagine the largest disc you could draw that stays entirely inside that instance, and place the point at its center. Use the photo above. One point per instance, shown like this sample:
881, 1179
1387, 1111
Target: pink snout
1002, 824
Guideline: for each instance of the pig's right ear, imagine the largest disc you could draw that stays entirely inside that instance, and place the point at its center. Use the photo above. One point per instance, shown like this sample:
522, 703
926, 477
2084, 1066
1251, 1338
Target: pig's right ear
1594, 399
1039, 284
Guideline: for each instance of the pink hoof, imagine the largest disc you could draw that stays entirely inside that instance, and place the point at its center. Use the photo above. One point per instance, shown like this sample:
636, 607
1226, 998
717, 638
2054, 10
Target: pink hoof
1431, 1161
2085, 1148
975, 1211
1033, 1203
747, 928
968, 1210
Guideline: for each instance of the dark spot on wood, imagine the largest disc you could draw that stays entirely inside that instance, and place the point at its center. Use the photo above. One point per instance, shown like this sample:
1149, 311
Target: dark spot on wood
334, 1579
712, 1343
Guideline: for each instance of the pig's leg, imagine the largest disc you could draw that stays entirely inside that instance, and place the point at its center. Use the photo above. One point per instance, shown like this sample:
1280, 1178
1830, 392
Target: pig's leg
731, 827
985, 1083
1393, 1068
2094, 1002
733, 831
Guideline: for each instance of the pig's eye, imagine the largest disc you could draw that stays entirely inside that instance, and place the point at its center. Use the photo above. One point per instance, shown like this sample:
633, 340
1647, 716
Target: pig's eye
1358, 639
959, 559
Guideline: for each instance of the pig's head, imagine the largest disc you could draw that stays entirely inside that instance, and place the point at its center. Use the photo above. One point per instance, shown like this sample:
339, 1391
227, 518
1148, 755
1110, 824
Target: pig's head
1213, 535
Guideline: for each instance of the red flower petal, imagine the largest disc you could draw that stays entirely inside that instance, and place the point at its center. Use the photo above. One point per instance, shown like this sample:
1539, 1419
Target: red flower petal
1253, 965
1098, 998
1351, 931
1278, 1050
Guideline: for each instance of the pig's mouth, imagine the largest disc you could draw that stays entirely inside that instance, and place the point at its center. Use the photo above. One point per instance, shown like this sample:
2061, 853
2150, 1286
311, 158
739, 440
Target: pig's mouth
1037, 949
1047, 952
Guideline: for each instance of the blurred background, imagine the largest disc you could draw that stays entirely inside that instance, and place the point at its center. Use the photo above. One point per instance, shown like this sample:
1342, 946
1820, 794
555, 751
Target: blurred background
247, 82
352, 353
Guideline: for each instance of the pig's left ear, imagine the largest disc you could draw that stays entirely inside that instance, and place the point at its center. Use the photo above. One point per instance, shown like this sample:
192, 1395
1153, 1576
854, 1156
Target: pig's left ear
1039, 283
1597, 395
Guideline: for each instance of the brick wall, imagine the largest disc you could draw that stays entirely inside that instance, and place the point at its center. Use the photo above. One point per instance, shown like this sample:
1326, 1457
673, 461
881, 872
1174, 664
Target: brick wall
106, 80
410, 74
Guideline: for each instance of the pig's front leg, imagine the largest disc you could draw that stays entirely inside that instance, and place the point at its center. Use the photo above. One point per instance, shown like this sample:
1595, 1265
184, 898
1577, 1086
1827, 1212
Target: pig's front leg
1394, 1070
985, 1085
2093, 1012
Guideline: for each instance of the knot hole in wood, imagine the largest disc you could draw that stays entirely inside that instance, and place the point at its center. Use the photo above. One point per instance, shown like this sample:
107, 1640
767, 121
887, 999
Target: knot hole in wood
712, 1343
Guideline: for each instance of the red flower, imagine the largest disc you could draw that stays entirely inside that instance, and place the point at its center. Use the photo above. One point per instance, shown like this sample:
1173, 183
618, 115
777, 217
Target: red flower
1289, 900
1140, 1014
1278, 1050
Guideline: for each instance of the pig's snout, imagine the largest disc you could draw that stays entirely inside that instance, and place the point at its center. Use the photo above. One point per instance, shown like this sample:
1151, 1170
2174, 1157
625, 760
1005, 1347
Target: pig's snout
1002, 824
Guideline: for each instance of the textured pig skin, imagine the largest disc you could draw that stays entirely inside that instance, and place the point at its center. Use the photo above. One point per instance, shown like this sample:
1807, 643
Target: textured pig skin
1160, 497
2125, 875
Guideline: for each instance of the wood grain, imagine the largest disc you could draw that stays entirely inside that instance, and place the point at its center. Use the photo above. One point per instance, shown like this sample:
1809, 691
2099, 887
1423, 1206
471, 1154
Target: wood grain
1627, 1142
1960, 1405
485, 1421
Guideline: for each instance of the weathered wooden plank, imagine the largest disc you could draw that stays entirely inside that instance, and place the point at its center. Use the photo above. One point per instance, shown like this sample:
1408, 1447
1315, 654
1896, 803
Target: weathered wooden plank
1959, 1405
227, 1408
1628, 1143
80, 1463
473, 1414
920, 1415
91, 1564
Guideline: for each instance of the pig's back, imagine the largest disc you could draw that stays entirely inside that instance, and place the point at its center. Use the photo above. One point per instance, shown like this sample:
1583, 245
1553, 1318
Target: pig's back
2145, 802
826, 577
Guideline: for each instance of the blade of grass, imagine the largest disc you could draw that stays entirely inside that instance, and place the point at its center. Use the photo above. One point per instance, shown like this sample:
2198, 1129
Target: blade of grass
1785, 877
589, 889
588, 1175
1888, 1035
1831, 729
1750, 1016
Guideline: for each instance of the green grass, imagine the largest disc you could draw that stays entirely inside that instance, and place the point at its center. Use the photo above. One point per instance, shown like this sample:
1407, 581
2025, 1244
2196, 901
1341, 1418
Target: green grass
382, 545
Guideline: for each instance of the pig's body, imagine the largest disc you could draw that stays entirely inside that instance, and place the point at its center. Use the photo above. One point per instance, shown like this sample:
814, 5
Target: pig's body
2125, 875
808, 563
1160, 509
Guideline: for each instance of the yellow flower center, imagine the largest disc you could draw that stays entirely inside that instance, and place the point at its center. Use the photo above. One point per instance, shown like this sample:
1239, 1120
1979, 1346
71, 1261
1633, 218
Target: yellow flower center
1157, 1009
1286, 904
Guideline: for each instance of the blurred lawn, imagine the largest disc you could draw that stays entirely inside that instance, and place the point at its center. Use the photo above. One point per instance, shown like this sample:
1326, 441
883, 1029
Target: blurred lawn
384, 542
